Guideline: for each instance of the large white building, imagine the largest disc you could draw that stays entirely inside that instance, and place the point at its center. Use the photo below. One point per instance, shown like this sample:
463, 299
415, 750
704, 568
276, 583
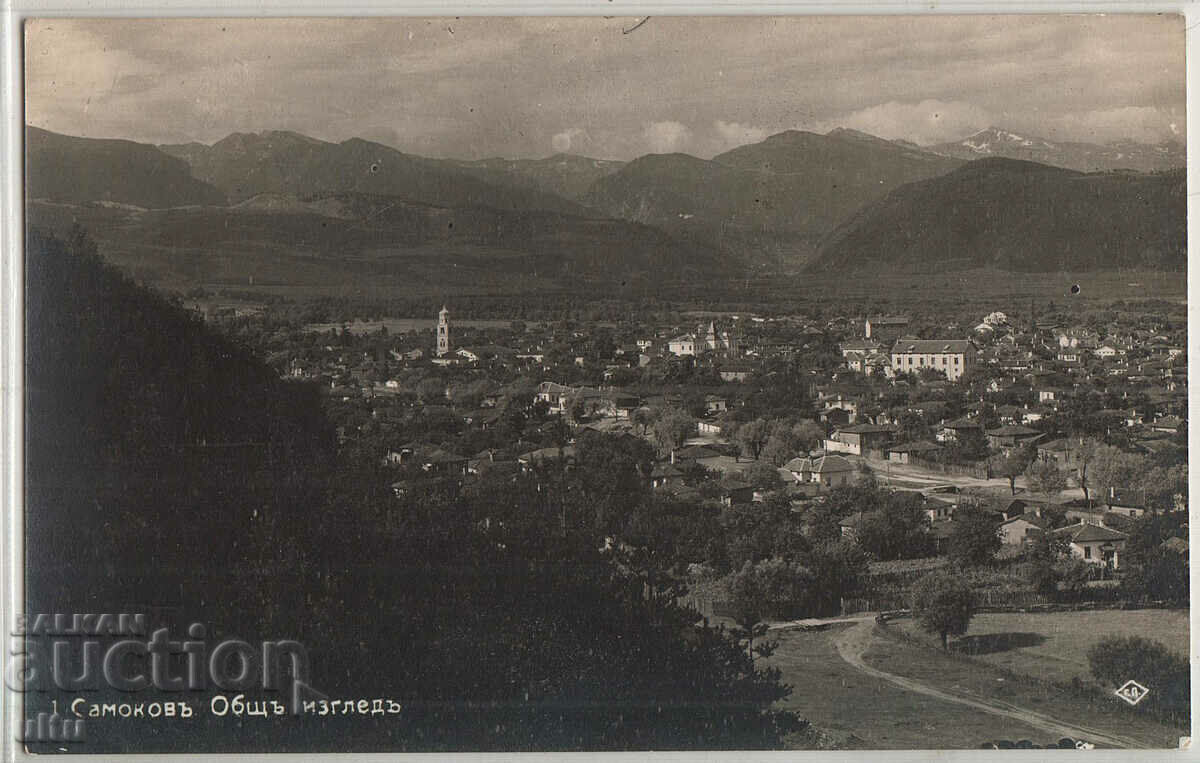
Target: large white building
703, 340
951, 356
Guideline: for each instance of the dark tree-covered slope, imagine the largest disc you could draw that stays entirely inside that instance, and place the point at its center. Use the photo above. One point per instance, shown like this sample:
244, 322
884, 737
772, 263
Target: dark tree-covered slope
68, 169
1020, 216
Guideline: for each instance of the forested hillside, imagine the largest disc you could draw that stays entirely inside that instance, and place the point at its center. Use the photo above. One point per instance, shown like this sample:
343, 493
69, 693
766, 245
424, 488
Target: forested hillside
170, 472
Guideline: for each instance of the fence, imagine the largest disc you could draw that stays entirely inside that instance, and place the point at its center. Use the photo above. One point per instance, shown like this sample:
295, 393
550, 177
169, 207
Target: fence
708, 606
978, 471
983, 600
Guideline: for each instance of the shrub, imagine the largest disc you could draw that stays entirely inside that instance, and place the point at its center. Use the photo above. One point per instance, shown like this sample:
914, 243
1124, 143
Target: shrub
1118, 659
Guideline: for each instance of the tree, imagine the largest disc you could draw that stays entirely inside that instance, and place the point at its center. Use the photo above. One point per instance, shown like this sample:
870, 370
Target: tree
1085, 454
1113, 468
778, 451
763, 476
1011, 465
968, 447
807, 434
975, 538
672, 428
644, 417
1043, 557
762, 531
748, 597
839, 568
1161, 575
1152, 570
1046, 479
752, 436
898, 530
943, 603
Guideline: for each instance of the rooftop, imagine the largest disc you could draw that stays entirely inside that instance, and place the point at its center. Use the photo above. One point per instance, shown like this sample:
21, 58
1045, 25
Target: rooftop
928, 346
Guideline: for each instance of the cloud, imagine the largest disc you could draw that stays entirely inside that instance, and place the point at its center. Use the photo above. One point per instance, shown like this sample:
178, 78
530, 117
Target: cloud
562, 141
926, 122
666, 137
1144, 124
523, 86
732, 134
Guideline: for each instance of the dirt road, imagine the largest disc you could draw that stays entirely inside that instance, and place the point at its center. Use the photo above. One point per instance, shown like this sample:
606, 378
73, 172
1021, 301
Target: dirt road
853, 643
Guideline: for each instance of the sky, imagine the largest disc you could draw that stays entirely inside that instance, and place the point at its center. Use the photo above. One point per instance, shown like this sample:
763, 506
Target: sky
476, 87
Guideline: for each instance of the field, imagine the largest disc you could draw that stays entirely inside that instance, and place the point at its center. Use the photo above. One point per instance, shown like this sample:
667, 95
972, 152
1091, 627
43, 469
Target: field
971, 677
868, 687
1053, 646
864, 712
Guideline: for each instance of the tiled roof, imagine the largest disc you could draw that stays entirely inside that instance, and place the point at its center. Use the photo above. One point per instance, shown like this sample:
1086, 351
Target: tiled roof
1089, 533
932, 346
1013, 430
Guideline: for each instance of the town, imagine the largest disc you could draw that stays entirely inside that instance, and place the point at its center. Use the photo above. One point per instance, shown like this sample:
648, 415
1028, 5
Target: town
1051, 426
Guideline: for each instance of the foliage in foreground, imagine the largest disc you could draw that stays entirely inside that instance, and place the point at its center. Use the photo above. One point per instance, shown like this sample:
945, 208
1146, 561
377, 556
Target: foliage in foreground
1118, 659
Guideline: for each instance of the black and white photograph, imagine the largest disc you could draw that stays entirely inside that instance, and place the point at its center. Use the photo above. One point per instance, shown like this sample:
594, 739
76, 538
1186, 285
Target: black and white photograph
603, 383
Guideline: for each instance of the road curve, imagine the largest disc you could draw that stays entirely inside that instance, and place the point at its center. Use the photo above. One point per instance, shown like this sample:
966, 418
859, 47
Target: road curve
853, 642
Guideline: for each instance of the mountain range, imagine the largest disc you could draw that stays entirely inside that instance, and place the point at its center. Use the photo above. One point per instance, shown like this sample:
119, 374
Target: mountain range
1019, 216
81, 170
1084, 157
776, 198
278, 207
244, 165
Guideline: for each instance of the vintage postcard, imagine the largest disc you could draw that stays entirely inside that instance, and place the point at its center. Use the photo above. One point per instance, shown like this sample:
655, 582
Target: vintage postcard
597, 384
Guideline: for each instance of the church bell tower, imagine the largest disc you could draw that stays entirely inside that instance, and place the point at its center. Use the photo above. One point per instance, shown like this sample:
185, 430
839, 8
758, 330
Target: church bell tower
443, 332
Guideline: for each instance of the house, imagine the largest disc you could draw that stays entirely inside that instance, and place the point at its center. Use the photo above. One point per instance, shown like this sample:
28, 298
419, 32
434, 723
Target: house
1021, 529
859, 438
665, 476
555, 395
715, 404
1095, 544
735, 372
876, 363
1126, 503
693, 453
1168, 424
939, 506
736, 492
904, 452
624, 405
547, 455
854, 360
830, 471
952, 431
685, 344
1049, 394
849, 526
1063, 452
863, 347
444, 463
951, 356
885, 328
838, 410
1011, 436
